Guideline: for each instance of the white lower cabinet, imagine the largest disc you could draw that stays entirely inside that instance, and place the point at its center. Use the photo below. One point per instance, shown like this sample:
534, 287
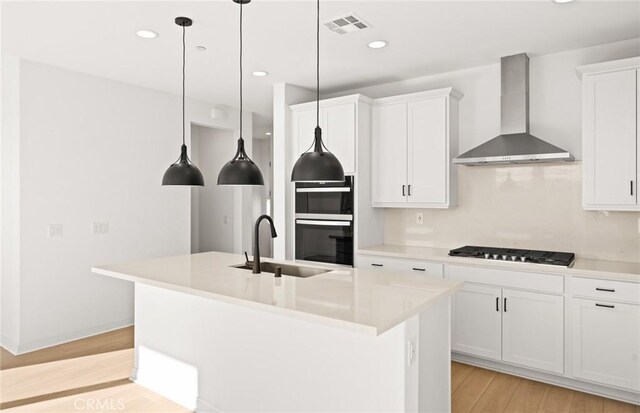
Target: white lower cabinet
606, 343
477, 321
518, 327
533, 330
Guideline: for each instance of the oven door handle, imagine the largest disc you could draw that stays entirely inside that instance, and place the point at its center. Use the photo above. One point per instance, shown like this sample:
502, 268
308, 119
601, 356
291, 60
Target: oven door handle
324, 223
329, 189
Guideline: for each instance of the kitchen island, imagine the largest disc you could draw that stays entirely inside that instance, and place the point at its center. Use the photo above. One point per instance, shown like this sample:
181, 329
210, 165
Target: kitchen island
213, 337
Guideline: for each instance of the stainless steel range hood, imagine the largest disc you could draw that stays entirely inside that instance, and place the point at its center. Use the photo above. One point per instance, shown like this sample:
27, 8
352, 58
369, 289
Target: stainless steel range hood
515, 144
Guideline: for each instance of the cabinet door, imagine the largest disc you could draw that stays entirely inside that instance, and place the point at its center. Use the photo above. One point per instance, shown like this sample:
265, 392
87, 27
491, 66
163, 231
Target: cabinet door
476, 318
428, 160
304, 125
533, 330
339, 133
606, 343
610, 139
389, 164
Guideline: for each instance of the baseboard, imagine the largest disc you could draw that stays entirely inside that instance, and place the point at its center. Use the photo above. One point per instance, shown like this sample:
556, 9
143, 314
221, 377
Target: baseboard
9, 345
77, 335
562, 381
204, 407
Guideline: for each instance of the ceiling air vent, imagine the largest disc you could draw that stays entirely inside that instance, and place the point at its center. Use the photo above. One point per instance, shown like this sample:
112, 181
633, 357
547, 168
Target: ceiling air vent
347, 24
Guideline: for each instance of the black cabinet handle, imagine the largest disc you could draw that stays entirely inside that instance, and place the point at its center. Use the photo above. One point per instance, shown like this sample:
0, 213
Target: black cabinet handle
376, 265
497, 303
607, 290
505, 304
403, 190
605, 305
419, 269
631, 184
409, 190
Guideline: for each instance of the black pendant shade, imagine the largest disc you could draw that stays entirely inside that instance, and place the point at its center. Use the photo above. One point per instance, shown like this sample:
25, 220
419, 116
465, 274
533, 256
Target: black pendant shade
240, 170
318, 165
183, 171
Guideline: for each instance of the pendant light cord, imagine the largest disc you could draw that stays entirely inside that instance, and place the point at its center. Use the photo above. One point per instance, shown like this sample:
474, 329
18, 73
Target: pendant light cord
318, 64
183, 77
240, 70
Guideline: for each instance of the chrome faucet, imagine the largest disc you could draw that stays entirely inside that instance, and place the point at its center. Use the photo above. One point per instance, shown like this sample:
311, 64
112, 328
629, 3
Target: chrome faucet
256, 242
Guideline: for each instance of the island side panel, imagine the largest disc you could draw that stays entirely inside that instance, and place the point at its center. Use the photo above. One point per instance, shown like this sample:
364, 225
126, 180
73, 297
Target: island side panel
434, 358
225, 357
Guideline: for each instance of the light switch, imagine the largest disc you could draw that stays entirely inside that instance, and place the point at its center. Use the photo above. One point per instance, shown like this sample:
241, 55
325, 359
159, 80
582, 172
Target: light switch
55, 230
100, 228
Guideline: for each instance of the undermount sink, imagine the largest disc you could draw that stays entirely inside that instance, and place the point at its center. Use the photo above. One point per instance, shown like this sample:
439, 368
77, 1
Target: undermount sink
292, 270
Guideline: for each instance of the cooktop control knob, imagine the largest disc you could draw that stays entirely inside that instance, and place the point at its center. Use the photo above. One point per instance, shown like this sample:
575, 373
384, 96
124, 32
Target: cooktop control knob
514, 257
487, 255
504, 257
495, 256
523, 259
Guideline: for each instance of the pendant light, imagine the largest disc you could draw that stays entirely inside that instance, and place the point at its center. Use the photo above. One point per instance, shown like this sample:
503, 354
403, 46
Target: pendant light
318, 165
240, 170
183, 171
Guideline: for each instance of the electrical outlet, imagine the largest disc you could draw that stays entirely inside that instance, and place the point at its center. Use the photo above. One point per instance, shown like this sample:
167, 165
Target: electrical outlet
411, 351
54, 230
100, 228
420, 218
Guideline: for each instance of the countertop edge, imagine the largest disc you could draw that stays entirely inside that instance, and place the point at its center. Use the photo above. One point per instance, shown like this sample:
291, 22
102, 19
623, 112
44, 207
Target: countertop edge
300, 315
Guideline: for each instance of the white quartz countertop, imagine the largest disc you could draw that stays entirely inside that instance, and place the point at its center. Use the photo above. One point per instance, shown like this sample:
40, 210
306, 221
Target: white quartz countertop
614, 270
365, 301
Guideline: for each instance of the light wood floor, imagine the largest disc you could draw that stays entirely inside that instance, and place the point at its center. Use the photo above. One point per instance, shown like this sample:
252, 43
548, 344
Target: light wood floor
92, 375
478, 390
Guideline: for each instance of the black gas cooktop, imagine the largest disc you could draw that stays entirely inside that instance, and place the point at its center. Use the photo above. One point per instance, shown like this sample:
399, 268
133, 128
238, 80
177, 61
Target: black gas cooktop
515, 255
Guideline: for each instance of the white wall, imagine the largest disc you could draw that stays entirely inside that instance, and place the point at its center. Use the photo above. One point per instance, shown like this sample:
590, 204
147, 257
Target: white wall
284, 95
10, 205
555, 94
91, 149
215, 206
262, 149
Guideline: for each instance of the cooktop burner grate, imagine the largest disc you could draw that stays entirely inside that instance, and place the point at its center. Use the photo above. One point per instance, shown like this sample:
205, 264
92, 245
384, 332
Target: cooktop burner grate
515, 255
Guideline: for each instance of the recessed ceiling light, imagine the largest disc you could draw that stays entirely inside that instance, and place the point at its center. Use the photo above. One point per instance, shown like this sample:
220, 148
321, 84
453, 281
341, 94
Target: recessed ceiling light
147, 34
260, 73
378, 44
268, 133
201, 48
562, 1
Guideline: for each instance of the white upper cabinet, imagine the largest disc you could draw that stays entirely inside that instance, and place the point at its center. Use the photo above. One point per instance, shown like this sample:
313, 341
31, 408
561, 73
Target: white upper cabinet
339, 132
390, 176
414, 141
609, 135
339, 123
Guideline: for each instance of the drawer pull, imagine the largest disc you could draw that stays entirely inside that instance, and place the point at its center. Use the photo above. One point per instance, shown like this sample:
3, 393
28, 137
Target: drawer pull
607, 290
605, 305
377, 265
419, 269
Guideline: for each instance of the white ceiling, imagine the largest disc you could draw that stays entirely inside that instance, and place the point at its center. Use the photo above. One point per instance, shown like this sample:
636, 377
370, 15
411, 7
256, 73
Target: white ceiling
425, 37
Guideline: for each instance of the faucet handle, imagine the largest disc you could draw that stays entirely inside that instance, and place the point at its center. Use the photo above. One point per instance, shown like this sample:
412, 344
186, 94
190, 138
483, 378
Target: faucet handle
246, 256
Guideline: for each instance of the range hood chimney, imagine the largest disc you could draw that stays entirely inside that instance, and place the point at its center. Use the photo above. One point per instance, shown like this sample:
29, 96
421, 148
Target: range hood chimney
515, 144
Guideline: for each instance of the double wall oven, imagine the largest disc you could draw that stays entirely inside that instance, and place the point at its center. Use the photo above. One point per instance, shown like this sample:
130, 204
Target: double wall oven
324, 222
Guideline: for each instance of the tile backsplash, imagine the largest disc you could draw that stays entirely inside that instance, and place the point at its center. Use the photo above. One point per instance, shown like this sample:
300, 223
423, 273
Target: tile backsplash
521, 206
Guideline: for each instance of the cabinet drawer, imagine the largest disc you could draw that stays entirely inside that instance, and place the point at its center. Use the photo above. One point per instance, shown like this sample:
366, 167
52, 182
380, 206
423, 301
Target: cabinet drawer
507, 278
606, 289
394, 264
